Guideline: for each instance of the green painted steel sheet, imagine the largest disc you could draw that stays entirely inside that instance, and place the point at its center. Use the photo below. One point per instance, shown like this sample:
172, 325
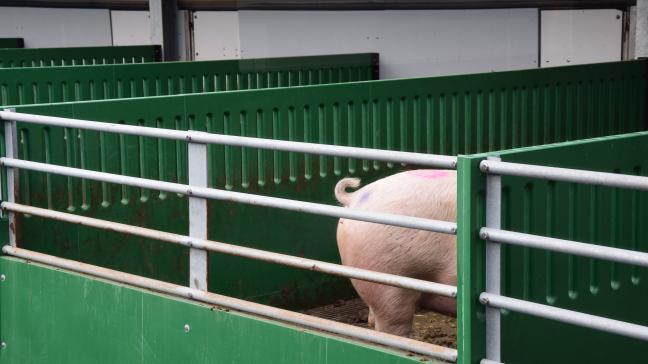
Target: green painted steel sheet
54, 316
471, 336
46, 57
449, 115
600, 215
12, 43
79, 83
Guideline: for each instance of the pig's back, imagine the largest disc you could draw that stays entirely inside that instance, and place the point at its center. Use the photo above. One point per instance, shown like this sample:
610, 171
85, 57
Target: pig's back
421, 193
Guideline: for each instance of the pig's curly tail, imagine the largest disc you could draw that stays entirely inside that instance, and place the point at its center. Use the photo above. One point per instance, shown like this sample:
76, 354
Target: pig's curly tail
341, 194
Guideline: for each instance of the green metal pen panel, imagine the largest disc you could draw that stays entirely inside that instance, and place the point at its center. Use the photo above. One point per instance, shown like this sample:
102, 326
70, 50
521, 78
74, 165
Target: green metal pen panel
12, 43
47, 57
79, 83
54, 316
601, 215
448, 115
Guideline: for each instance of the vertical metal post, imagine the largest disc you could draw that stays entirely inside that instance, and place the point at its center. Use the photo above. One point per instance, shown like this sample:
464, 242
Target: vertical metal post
11, 151
197, 215
164, 20
493, 220
641, 29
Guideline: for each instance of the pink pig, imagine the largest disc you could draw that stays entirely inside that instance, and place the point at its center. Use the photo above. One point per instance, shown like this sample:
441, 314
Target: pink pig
408, 252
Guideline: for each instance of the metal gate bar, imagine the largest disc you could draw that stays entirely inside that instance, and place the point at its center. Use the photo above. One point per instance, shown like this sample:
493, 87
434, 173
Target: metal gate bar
429, 160
567, 316
565, 175
445, 227
566, 246
257, 254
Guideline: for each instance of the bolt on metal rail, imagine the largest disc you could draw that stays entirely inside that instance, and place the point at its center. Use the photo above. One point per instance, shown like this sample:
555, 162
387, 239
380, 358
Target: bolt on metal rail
198, 193
494, 236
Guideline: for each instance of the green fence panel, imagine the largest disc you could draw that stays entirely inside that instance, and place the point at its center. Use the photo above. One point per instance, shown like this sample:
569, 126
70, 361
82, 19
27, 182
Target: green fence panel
599, 215
47, 57
448, 115
471, 255
79, 83
54, 316
12, 43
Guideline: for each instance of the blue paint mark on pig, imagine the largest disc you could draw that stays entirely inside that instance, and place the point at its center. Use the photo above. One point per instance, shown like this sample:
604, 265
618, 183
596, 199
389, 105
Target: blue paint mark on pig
364, 198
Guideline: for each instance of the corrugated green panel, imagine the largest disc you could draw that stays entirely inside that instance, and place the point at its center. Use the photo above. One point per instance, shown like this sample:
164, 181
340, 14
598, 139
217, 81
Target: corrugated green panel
53, 316
11, 43
46, 57
80, 83
449, 115
601, 215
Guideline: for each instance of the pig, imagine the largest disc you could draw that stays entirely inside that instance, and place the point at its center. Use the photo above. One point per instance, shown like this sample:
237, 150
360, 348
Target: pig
425, 193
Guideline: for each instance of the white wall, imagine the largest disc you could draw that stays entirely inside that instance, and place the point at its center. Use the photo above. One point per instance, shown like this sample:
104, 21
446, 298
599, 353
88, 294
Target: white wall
216, 35
130, 27
410, 43
46, 27
580, 36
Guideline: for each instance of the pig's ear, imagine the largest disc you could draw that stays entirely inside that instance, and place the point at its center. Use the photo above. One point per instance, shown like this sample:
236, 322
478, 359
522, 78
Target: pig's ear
341, 194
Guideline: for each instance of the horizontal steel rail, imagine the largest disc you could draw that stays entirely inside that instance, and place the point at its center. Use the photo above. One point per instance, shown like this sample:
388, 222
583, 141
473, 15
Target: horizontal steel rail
429, 160
566, 246
566, 316
565, 174
295, 318
246, 198
257, 254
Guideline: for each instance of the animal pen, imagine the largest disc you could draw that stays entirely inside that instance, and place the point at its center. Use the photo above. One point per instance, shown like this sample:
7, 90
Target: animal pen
186, 227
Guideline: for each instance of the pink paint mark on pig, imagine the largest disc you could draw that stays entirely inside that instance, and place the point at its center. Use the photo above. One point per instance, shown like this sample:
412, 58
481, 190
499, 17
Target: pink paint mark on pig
428, 173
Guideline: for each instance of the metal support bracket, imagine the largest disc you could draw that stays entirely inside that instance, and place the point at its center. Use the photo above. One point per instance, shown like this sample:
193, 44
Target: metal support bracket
11, 151
493, 264
197, 161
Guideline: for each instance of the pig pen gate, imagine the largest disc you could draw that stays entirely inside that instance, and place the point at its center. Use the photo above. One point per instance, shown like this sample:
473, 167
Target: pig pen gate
495, 236
198, 191
405, 112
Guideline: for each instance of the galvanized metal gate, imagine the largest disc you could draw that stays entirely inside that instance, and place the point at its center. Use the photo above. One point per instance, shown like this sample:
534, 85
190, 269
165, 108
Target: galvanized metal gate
198, 193
567, 275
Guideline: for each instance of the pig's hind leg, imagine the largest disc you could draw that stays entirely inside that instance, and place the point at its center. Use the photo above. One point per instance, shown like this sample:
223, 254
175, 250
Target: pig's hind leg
393, 308
440, 304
